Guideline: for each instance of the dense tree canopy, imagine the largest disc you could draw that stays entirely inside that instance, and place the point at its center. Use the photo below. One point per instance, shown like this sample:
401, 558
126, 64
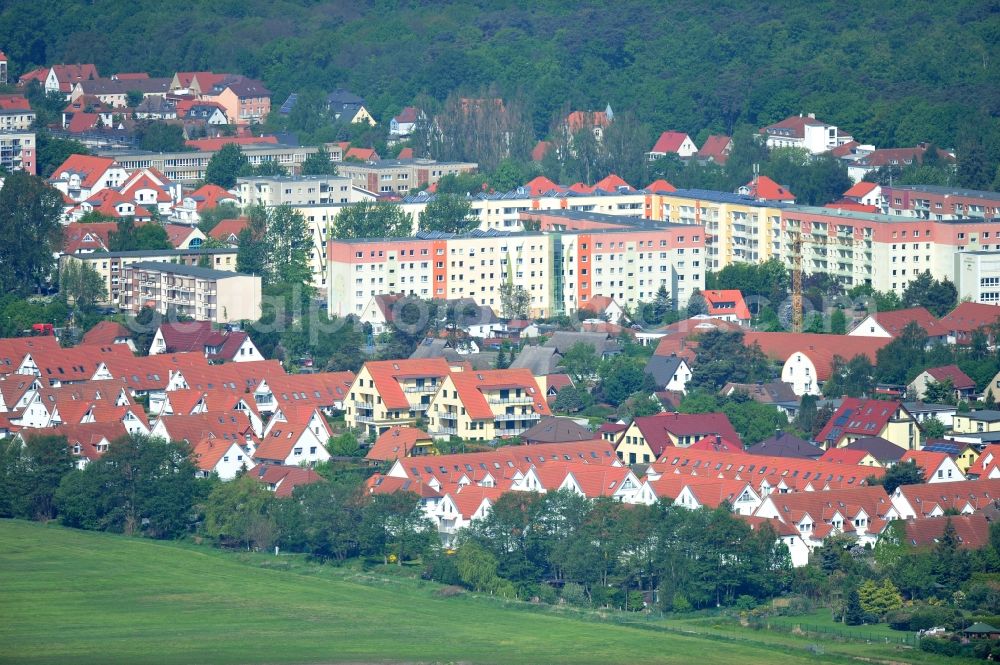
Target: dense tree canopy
30, 212
743, 64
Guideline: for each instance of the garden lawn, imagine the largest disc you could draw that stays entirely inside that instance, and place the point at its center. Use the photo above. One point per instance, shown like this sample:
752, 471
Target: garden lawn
81, 597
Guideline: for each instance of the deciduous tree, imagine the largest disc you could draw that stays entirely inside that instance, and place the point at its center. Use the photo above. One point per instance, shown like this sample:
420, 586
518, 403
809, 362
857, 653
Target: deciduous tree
30, 211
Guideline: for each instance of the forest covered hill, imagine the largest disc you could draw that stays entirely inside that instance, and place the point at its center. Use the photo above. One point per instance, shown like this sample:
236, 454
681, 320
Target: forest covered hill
890, 73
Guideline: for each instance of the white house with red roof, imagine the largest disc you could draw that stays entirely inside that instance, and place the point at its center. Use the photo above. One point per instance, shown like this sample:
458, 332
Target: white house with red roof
228, 230
110, 203
82, 176
865, 193
804, 132
295, 437
963, 387
202, 337
808, 359
671, 142
188, 211
727, 305
938, 467
62, 78
403, 124
151, 189
221, 457
891, 324
959, 324
934, 500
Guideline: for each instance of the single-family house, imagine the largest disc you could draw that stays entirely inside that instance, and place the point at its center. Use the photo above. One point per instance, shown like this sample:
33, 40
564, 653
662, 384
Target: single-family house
962, 387
647, 437
858, 418
671, 142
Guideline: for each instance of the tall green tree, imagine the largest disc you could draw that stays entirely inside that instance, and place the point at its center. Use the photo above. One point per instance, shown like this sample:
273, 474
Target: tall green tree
226, 166
449, 213
81, 284
372, 219
237, 513
581, 362
275, 245
30, 211
319, 163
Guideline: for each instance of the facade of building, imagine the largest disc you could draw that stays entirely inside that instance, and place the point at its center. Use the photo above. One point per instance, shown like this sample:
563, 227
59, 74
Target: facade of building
294, 190
205, 294
15, 113
977, 276
486, 405
111, 266
189, 167
399, 176
17, 150
573, 258
805, 132
933, 202
387, 393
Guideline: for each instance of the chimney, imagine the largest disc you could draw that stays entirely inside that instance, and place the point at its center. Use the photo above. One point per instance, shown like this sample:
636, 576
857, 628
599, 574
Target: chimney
812, 115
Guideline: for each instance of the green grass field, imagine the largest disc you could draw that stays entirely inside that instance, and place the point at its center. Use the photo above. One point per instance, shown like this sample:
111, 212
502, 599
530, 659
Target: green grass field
72, 596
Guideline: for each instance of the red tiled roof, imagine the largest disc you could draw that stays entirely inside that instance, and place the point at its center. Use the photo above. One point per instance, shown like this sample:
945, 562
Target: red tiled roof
959, 379
862, 417
716, 443
210, 196
472, 384
539, 151
766, 189
69, 75
396, 442
726, 301
228, 227
87, 237
969, 316
845, 149
896, 320
927, 460
973, 531
577, 120
178, 234
845, 204
286, 478
105, 332
843, 456
820, 349
385, 372
612, 183
151, 372
39, 75
322, 389
795, 123
405, 153
669, 142
925, 497
860, 190
90, 168
660, 185
716, 147
656, 429
14, 103
281, 437
227, 426
823, 506
207, 452
362, 154
82, 122
541, 185
78, 363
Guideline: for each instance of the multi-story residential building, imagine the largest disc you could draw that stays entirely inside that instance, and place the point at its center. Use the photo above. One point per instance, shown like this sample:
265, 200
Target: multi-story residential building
295, 190
736, 227
940, 203
205, 294
111, 266
386, 393
189, 167
805, 132
399, 176
15, 113
17, 150
572, 258
245, 100
977, 276
486, 404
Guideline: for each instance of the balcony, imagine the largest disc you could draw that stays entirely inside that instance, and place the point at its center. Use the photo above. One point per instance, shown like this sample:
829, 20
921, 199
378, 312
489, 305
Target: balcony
364, 419
444, 431
364, 405
421, 389
420, 407
516, 416
523, 399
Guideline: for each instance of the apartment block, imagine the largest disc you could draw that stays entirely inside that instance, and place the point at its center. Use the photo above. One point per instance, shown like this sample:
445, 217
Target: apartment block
204, 294
399, 176
15, 113
486, 405
572, 258
977, 276
189, 167
933, 202
737, 228
17, 151
294, 190
111, 266
393, 392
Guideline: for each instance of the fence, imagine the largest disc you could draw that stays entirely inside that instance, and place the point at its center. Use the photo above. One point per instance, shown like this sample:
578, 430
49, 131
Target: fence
855, 634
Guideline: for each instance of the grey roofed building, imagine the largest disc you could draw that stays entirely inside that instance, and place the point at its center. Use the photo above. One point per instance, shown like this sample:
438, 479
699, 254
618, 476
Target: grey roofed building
441, 348
604, 345
663, 368
886, 452
782, 444
553, 429
149, 86
774, 392
540, 360
341, 100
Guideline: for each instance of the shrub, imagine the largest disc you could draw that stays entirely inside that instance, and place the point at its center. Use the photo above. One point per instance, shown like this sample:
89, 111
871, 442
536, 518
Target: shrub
681, 604
746, 602
574, 594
